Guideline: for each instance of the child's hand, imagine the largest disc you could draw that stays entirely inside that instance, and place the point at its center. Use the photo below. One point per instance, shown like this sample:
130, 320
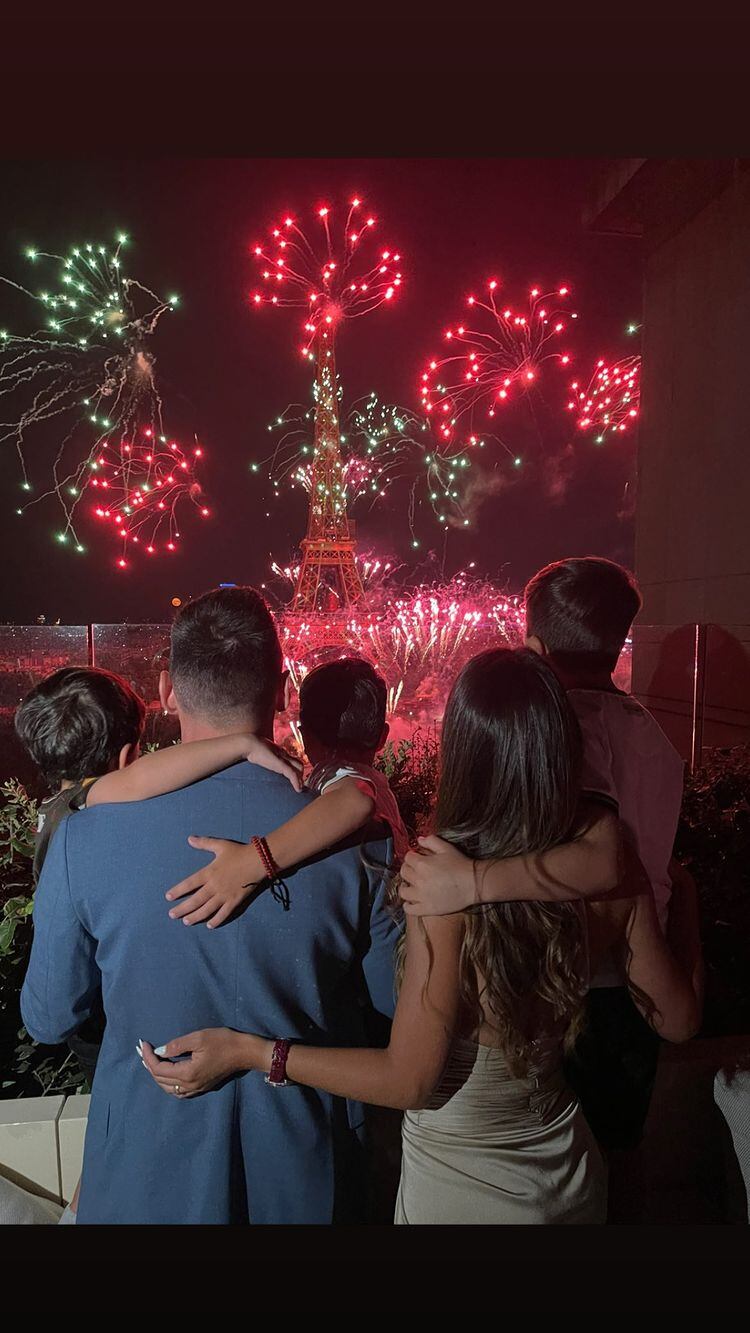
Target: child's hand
218, 889
436, 881
270, 756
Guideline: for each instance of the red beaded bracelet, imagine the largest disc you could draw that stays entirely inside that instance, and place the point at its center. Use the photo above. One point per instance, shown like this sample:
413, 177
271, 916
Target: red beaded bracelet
269, 865
276, 1076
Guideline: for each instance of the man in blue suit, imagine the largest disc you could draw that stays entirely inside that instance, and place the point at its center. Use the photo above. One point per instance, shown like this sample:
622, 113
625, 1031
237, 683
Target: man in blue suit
318, 967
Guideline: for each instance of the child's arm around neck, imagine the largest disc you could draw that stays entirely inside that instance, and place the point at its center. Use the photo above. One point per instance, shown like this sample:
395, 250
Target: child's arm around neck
179, 765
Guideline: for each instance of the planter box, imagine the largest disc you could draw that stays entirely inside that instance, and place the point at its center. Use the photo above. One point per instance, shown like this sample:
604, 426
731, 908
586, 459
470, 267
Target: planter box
29, 1152
41, 1144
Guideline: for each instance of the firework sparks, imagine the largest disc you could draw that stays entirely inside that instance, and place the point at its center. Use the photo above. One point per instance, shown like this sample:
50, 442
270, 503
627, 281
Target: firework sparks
610, 403
419, 639
373, 572
381, 443
86, 379
495, 362
329, 276
138, 492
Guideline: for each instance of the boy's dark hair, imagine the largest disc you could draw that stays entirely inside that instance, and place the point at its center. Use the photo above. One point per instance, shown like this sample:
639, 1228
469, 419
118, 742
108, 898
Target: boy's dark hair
582, 610
343, 704
75, 723
225, 654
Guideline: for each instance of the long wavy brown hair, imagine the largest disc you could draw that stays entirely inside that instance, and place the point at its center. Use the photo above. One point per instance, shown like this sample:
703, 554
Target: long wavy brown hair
510, 785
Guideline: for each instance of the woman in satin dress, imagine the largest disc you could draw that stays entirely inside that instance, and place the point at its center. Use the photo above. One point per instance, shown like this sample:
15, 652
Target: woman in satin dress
490, 998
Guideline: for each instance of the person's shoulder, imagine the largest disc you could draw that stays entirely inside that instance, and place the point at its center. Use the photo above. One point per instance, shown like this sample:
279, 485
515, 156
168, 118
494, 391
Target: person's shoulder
629, 715
590, 707
621, 716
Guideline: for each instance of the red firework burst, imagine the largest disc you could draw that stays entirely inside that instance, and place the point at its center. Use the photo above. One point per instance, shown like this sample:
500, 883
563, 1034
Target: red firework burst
329, 276
497, 359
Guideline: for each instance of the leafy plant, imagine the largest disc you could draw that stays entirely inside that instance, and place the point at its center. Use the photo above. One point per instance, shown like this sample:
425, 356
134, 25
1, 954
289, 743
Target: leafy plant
29, 1069
411, 767
18, 818
713, 841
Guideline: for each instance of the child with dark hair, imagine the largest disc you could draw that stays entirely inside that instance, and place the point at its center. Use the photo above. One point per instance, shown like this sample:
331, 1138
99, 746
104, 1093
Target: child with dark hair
580, 611
77, 725
578, 614
342, 720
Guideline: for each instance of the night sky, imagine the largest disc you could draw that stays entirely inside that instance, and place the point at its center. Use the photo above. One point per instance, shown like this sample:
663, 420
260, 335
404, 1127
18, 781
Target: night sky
226, 370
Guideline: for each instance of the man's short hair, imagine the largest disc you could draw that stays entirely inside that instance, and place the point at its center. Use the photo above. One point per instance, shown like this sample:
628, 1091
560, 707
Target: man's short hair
582, 609
75, 723
225, 655
343, 704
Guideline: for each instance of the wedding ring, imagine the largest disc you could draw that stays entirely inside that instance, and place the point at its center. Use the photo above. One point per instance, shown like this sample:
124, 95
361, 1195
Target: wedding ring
177, 1087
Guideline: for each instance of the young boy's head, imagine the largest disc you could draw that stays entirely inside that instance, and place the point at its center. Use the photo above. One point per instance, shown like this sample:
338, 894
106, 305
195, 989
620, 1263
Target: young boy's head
578, 612
342, 711
80, 723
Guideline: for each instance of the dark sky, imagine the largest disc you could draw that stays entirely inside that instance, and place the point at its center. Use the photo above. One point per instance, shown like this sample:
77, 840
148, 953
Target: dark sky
226, 370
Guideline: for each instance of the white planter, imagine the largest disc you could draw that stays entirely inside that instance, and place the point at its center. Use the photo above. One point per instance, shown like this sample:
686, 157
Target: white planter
41, 1143
29, 1143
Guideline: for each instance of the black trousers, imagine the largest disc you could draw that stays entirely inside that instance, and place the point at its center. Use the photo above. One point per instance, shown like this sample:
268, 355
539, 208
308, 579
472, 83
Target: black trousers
613, 1068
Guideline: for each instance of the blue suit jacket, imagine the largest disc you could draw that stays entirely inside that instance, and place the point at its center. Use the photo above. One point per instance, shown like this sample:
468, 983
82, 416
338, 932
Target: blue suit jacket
315, 972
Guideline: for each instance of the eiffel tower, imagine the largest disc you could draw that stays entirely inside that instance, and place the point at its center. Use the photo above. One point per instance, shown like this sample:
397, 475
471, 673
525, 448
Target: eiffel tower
328, 577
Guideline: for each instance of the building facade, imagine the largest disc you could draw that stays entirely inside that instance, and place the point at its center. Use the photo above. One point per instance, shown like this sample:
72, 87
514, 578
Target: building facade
691, 658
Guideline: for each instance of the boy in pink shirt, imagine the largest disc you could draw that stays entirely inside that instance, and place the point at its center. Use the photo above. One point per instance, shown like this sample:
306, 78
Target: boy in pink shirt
578, 613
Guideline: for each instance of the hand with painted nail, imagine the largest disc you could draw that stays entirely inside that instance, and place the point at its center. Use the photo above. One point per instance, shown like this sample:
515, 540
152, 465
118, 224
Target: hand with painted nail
213, 1055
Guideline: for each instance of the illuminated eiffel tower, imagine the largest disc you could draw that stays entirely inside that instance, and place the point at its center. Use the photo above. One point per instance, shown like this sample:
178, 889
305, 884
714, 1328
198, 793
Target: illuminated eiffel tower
328, 577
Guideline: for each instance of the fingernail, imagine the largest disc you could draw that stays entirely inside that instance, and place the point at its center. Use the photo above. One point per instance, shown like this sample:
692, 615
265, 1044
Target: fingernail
139, 1048
143, 1062
160, 1050
171, 914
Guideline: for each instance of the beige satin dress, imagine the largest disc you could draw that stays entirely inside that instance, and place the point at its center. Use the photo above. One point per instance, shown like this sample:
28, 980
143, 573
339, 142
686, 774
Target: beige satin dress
493, 1148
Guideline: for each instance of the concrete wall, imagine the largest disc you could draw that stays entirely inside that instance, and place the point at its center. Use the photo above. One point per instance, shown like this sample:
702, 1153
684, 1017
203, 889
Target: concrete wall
693, 492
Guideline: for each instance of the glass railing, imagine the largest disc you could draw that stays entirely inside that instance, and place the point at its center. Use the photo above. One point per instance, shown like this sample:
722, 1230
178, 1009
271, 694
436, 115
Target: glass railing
694, 678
